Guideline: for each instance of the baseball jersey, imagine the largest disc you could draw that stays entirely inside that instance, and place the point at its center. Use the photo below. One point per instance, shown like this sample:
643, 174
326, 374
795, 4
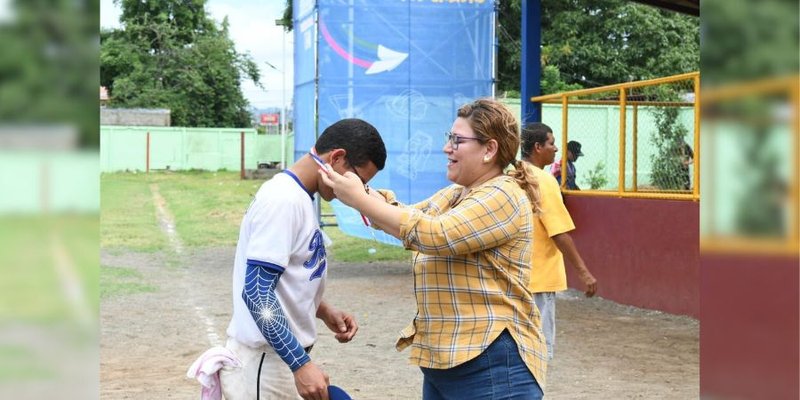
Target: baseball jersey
547, 268
280, 227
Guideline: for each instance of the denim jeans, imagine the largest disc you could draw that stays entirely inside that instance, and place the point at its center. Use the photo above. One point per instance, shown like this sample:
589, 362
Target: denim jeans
497, 373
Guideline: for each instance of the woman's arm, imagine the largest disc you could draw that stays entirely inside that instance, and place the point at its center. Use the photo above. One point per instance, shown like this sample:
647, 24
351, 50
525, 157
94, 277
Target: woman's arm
381, 214
349, 189
483, 220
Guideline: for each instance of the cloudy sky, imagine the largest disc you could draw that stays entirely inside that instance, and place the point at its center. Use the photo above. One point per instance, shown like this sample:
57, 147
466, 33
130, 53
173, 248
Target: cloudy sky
252, 28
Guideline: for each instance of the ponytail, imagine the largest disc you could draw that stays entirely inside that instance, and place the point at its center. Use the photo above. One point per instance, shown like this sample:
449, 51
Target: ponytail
528, 182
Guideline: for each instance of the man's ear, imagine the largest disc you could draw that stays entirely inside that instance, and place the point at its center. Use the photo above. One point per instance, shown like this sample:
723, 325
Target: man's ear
336, 155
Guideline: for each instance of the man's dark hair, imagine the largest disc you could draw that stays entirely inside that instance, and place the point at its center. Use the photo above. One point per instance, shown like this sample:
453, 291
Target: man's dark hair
535, 132
361, 140
574, 146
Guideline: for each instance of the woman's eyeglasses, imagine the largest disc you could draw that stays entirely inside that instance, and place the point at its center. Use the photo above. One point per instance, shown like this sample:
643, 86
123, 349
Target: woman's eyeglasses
455, 139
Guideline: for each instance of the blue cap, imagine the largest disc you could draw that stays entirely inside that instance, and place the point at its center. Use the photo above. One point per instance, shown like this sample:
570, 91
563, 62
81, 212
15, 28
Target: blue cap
336, 393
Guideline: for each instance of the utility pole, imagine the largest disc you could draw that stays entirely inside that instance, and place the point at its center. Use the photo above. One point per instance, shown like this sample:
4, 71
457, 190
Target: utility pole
279, 22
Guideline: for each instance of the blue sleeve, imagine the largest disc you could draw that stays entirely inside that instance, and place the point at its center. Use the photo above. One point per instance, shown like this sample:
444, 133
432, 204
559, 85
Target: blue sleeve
260, 298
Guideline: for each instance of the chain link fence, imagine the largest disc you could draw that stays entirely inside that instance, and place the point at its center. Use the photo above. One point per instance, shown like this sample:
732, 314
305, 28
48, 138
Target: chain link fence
656, 155
751, 185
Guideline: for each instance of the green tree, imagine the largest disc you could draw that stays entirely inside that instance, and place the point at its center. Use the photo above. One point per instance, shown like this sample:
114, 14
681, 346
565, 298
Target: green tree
286, 21
597, 178
743, 43
509, 32
509, 55
48, 71
761, 203
600, 42
669, 171
551, 81
748, 42
187, 17
170, 54
604, 42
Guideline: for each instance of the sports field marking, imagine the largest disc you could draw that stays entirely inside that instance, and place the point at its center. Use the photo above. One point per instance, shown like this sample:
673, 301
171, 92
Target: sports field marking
74, 292
165, 220
167, 224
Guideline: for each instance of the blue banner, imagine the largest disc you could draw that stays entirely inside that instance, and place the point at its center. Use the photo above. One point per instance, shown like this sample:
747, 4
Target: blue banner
403, 66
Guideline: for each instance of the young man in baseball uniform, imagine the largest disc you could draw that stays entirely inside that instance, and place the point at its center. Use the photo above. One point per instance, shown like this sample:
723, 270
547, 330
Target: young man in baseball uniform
280, 269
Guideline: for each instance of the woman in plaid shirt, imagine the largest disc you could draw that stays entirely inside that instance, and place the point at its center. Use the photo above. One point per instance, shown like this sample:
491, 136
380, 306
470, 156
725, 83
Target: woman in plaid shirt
477, 332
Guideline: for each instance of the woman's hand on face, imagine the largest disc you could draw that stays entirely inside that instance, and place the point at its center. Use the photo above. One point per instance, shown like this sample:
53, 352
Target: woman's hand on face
347, 188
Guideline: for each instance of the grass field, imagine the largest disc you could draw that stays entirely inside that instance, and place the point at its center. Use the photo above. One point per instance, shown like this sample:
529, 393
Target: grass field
127, 215
207, 207
49, 296
35, 253
115, 281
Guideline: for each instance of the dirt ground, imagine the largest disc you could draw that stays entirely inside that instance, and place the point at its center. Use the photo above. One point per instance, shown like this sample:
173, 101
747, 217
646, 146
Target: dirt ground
604, 350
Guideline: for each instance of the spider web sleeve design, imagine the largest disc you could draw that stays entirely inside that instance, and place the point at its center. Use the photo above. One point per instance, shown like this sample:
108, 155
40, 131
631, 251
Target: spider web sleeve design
260, 298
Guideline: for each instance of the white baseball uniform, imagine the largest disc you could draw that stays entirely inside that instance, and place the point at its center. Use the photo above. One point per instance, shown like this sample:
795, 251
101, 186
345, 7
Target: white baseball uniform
279, 230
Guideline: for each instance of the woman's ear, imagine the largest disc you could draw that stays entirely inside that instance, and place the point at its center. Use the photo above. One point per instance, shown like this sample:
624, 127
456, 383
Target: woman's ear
491, 149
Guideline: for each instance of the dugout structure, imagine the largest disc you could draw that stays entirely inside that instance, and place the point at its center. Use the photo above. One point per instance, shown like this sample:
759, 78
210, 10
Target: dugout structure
654, 244
637, 211
750, 240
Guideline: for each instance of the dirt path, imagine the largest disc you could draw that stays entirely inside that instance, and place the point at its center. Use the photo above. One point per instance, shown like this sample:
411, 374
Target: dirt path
604, 350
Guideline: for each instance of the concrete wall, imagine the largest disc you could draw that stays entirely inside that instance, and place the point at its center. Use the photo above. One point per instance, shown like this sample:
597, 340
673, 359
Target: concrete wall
48, 182
42, 137
643, 252
749, 326
134, 117
177, 148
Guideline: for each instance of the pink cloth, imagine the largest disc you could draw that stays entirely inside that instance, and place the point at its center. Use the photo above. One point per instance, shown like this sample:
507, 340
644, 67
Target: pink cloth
555, 169
206, 370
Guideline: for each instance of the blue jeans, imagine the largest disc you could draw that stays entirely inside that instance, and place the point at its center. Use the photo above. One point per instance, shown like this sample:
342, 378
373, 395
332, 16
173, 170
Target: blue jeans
497, 373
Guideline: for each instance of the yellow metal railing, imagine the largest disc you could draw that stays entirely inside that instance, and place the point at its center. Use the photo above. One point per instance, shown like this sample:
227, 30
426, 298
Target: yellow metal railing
633, 96
785, 93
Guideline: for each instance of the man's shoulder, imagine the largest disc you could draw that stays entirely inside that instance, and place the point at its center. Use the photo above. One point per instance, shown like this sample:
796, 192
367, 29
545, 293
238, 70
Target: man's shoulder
546, 180
280, 192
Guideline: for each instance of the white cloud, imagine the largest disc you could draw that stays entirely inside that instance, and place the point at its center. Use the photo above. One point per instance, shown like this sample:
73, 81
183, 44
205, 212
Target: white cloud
6, 13
109, 14
252, 29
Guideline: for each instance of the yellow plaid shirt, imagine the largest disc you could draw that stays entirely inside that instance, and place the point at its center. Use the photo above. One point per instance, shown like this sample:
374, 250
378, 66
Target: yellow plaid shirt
471, 271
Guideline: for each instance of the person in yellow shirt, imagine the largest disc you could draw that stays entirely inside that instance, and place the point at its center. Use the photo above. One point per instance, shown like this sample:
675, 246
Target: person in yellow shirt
476, 333
551, 239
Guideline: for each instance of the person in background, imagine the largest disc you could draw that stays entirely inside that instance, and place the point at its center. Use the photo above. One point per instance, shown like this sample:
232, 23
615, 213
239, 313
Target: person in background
686, 156
573, 152
551, 239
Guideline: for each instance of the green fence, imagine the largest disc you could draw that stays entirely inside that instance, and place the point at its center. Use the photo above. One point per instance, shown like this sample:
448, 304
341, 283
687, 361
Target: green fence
125, 148
35, 182
596, 127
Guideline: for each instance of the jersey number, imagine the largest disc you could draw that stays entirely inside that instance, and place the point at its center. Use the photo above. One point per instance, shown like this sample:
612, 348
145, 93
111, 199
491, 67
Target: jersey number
318, 256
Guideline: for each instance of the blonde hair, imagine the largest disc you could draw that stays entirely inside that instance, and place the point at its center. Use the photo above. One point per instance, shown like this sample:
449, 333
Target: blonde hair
527, 180
491, 120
